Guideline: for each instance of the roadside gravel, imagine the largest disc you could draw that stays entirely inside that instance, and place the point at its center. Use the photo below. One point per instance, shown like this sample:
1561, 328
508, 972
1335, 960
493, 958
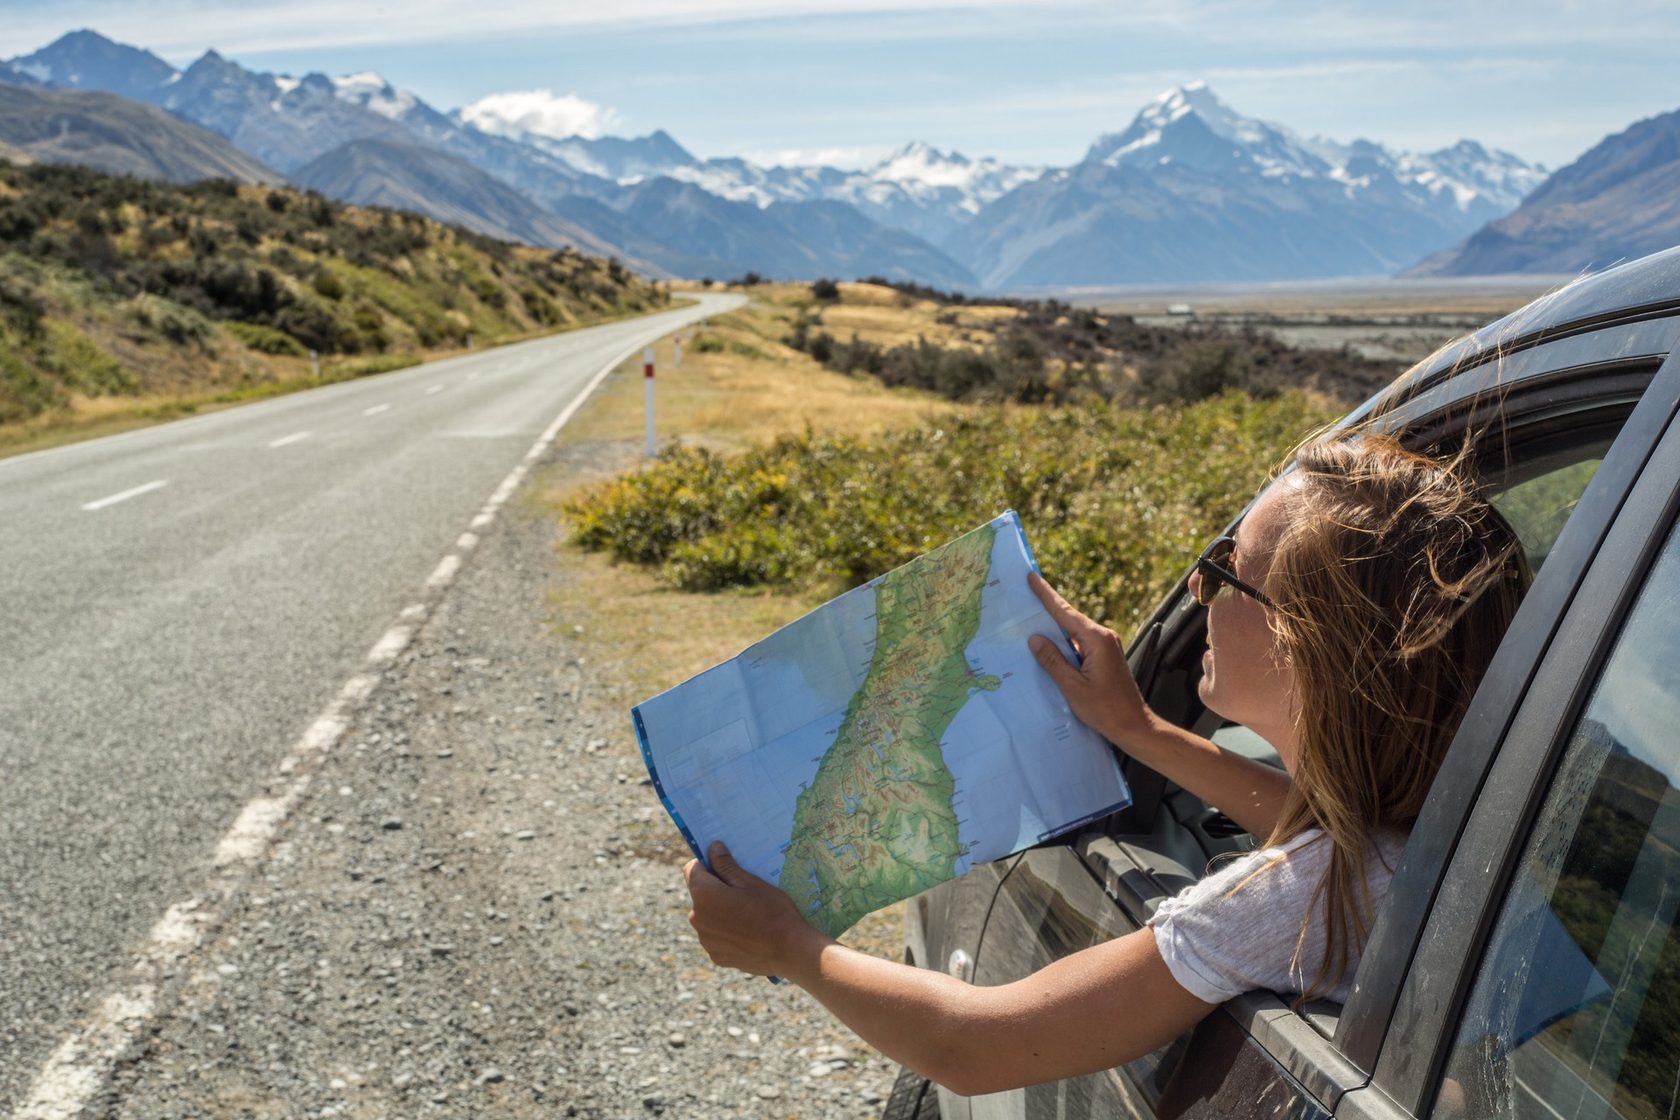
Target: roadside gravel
477, 911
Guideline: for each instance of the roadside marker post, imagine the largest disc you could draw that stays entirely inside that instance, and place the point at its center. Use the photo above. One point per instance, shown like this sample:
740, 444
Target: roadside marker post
676, 359
647, 381
315, 364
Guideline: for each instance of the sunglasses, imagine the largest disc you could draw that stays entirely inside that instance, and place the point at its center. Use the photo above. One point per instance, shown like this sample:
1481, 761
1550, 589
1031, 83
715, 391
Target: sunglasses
1213, 566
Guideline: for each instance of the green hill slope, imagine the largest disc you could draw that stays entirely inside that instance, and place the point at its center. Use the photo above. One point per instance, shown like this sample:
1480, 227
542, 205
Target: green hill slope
117, 292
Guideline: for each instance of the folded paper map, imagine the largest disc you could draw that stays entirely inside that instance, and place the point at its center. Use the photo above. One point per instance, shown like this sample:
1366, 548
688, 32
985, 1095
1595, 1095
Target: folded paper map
887, 741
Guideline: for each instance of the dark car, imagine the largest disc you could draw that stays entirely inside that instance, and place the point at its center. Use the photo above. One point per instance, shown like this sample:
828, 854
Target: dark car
1526, 962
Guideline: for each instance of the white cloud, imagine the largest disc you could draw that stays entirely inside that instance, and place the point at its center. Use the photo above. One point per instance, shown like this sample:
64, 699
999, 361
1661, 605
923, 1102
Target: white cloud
540, 112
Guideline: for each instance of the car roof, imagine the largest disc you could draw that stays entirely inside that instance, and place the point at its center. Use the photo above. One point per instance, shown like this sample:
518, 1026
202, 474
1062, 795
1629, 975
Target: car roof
1514, 348
1644, 287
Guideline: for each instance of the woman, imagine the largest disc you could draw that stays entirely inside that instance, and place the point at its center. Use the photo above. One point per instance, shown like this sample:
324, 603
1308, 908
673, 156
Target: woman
1369, 588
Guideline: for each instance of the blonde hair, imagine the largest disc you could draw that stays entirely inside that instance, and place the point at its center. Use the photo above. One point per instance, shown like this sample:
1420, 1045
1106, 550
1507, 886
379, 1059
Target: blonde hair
1394, 580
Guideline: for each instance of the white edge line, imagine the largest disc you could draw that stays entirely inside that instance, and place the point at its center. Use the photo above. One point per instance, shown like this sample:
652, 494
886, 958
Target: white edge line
293, 438
125, 495
81, 1064
393, 643
444, 572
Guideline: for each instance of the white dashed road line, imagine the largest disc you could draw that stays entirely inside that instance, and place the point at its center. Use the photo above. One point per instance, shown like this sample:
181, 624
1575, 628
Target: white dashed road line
375, 410
434, 389
79, 1067
126, 495
295, 437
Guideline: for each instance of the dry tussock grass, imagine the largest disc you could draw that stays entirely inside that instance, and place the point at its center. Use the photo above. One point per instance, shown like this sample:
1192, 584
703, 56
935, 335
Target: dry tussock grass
751, 389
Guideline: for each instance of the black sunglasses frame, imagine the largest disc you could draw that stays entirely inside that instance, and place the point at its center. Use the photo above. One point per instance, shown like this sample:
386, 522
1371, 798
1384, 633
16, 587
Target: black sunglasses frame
1215, 575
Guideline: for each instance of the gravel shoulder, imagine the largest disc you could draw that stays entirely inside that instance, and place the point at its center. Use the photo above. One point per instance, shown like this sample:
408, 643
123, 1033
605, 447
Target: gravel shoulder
477, 910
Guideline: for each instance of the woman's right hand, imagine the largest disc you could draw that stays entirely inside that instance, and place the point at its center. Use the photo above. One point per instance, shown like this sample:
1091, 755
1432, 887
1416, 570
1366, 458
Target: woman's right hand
1100, 690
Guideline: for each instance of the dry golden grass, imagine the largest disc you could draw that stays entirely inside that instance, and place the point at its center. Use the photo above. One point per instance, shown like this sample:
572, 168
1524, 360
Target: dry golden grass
752, 388
889, 318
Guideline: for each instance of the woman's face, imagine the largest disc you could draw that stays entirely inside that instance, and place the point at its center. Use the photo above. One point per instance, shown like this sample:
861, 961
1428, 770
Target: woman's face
1243, 679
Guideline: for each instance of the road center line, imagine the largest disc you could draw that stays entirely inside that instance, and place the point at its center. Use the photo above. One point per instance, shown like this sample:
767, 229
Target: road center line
293, 438
375, 410
126, 495
80, 1066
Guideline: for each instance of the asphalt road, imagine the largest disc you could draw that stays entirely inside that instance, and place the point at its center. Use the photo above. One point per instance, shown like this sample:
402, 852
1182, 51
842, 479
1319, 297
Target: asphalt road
176, 606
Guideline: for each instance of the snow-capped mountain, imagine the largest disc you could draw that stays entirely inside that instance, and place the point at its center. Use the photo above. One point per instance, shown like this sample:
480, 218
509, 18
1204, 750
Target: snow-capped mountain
1190, 125
1193, 190
917, 188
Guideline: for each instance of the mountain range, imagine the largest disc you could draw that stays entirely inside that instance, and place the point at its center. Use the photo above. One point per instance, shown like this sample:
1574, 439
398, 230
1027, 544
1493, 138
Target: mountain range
1189, 190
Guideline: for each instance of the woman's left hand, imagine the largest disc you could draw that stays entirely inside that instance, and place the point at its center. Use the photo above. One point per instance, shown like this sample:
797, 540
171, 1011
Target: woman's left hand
743, 921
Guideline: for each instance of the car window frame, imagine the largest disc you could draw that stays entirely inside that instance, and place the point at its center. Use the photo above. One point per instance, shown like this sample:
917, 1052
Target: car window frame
1511, 745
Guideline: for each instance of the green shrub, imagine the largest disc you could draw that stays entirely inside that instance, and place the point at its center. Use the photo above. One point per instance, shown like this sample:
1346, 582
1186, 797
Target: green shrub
24, 393
81, 364
266, 340
380, 363
327, 285
1116, 501
180, 325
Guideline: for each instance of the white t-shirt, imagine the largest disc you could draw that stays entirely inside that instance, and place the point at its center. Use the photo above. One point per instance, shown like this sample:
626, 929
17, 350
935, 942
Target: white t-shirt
1218, 944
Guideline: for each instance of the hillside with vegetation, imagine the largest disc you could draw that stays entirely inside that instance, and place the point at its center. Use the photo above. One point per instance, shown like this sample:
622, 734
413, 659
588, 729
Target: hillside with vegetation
120, 294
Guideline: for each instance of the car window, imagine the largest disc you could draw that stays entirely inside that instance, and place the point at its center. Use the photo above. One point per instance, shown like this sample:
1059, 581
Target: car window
1576, 1006
1538, 506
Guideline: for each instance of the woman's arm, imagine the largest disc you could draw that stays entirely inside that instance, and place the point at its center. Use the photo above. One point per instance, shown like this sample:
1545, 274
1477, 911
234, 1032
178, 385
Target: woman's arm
1091, 1011
1105, 697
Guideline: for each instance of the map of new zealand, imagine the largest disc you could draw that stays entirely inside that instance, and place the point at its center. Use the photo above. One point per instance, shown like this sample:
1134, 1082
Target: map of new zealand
888, 740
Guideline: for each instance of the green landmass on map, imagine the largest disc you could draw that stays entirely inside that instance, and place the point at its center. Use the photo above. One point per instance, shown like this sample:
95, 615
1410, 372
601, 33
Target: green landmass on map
876, 824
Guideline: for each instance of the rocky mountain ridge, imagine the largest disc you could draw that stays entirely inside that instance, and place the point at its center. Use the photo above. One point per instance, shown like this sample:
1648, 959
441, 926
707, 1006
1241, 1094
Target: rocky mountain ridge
1616, 203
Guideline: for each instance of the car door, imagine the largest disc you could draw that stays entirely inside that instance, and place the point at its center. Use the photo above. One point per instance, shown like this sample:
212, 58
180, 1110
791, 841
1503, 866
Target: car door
1558, 413
1546, 978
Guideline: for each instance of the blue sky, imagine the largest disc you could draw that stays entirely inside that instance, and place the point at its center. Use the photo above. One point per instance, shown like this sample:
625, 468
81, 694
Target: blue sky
1028, 82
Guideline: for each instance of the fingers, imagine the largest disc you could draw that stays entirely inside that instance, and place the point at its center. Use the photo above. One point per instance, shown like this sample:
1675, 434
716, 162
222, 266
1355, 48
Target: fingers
723, 864
1050, 659
1060, 609
725, 867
